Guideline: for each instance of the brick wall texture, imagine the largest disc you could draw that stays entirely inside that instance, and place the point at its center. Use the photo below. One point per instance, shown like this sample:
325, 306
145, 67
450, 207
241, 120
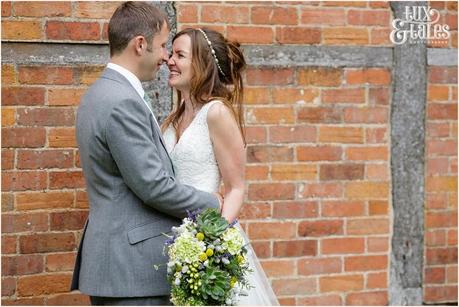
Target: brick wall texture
318, 204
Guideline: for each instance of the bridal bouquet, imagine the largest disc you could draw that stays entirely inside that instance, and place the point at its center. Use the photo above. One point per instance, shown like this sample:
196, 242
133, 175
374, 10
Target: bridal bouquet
207, 261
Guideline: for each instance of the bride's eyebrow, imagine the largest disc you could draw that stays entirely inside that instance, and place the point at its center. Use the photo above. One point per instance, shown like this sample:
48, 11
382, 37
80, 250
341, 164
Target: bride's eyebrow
180, 51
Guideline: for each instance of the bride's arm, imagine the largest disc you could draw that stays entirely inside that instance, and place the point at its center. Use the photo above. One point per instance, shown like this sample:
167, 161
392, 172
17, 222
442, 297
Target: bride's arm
231, 157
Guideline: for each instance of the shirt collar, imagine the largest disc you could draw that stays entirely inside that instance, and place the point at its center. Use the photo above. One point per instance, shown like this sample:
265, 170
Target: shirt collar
135, 82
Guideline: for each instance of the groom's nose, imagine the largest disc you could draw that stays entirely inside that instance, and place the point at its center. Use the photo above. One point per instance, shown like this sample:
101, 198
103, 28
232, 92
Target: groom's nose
165, 55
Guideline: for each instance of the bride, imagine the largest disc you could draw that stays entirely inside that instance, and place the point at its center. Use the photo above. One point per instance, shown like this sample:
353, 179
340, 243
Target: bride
204, 134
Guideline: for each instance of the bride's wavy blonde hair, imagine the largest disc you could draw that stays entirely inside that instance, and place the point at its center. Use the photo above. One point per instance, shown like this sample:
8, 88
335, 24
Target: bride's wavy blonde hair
207, 82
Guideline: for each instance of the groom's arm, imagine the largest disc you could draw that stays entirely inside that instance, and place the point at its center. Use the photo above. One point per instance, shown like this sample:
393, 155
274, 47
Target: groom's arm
129, 137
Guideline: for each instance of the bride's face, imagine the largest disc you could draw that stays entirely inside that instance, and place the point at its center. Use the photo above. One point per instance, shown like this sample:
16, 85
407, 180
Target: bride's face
180, 64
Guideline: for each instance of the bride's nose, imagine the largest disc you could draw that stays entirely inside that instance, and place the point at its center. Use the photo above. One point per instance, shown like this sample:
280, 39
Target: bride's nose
170, 61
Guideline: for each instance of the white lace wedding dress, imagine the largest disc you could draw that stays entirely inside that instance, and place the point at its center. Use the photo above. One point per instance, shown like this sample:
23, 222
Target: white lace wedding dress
195, 165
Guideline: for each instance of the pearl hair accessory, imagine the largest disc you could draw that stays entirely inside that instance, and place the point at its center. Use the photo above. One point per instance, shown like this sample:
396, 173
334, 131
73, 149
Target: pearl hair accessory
212, 51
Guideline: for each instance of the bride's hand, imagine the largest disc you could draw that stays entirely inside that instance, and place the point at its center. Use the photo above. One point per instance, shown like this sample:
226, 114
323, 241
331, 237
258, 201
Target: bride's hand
220, 200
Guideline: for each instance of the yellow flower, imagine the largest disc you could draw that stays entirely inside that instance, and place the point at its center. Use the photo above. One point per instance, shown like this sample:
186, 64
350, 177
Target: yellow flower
233, 281
200, 236
203, 257
209, 252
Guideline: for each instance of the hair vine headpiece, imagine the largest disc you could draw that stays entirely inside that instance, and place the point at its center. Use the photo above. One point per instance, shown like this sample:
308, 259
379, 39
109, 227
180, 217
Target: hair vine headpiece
212, 51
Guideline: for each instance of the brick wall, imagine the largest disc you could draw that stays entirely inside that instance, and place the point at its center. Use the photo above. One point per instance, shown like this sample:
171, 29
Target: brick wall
318, 175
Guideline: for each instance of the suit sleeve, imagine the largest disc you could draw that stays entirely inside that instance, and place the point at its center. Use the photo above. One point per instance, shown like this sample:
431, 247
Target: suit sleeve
129, 138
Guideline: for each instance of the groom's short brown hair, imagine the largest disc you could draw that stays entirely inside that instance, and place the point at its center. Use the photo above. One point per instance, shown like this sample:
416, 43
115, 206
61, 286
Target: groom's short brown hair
131, 19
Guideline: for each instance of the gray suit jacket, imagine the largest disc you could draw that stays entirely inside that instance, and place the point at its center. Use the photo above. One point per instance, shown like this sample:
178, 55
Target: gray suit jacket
132, 193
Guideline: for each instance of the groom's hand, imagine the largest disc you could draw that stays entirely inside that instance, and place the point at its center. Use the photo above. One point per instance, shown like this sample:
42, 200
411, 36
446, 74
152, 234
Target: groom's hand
220, 200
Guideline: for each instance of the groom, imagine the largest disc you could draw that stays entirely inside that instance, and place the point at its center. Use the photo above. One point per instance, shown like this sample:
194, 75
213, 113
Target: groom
132, 192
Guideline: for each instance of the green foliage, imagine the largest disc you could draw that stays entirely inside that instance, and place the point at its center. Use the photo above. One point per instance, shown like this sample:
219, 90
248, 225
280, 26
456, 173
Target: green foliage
215, 284
211, 223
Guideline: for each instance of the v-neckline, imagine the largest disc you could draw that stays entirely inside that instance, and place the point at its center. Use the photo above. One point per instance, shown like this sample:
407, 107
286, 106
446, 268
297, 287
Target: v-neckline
186, 129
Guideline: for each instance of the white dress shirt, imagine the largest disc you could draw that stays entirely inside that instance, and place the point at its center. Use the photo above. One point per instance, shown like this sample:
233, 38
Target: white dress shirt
135, 82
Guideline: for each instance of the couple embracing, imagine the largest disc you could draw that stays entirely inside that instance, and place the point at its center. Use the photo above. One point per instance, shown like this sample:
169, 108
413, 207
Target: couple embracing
142, 178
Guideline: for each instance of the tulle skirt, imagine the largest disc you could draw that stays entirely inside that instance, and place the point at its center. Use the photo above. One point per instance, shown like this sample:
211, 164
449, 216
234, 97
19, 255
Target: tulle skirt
262, 293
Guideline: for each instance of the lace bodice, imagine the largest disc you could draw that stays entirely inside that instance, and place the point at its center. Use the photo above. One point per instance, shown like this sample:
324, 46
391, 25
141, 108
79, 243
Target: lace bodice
193, 156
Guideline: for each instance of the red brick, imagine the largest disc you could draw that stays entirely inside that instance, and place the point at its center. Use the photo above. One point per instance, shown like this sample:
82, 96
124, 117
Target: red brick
368, 226
46, 243
319, 266
62, 137
437, 92
8, 283
379, 96
69, 300
81, 200
434, 275
72, 220
378, 207
60, 262
442, 75
345, 3
39, 159
374, 153
294, 95
380, 36
23, 137
367, 190
377, 172
378, 298
320, 228
105, 32
260, 154
273, 15
335, 134
257, 95
95, 9
256, 172
286, 301
341, 283
435, 237
440, 219
451, 20
14, 223
441, 255
322, 300
42, 9
451, 274
77, 31
365, 263
319, 153
441, 184
377, 244
255, 211
54, 75
68, 179
379, 4
258, 231
278, 268
345, 36
64, 96
224, 14
21, 29
436, 201
324, 190
7, 159
252, 35
8, 117
36, 301
22, 265
442, 111
452, 237
29, 96
323, 17
21, 181
344, 95
46, 117
292, 134
336, 208
371, 115
295, 210
319, 76
43, 284
377, 280
187, 13
320, 115
87, 75
262, 248
299, 286
298, 35
255, 134
270, 191
438, 129
342, 246
44, 200
264, 115
264, 76
375, 76
435, 294
6, 12
368, 18
9, 244
295, 248
289, 172
341, 172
